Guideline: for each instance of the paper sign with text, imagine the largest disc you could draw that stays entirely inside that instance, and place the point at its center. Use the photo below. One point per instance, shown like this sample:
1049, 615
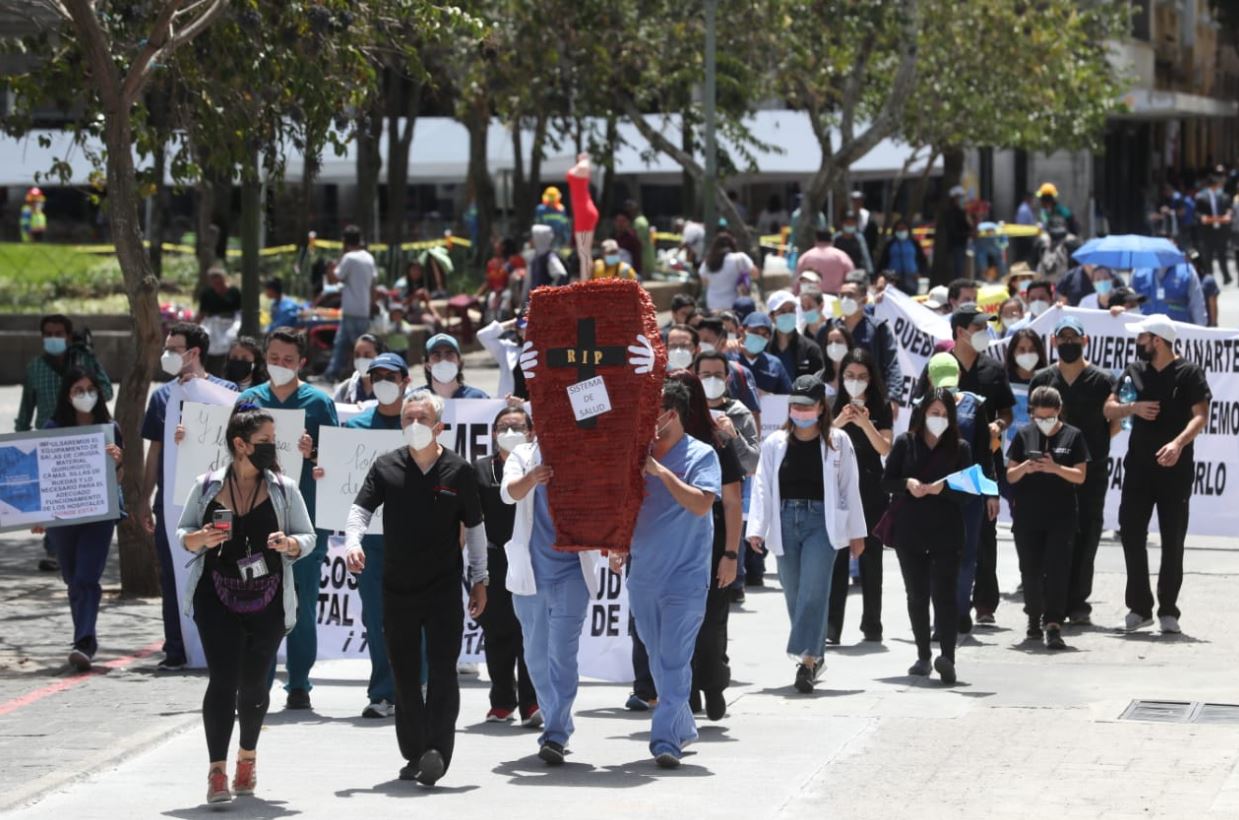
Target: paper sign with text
345, 455
589, 398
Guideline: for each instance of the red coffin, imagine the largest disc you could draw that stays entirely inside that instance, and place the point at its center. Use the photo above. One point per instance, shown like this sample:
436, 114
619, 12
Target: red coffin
582, 331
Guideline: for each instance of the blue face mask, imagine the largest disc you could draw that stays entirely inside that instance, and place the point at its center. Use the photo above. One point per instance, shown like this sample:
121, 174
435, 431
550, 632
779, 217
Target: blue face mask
754, 344
55, 345
811, 317
901, 235
803, 423
611, 260
785, 322
1103, 287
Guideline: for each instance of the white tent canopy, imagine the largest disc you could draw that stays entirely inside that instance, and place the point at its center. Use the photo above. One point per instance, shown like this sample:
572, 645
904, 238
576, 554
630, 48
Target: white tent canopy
440, 154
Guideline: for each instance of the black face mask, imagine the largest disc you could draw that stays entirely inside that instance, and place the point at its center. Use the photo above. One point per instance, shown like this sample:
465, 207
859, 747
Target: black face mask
1144, 354
263, 456
1070, 352
237, 370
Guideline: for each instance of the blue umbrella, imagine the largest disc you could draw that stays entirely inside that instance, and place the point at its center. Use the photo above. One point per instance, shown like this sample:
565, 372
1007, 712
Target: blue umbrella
1128, 251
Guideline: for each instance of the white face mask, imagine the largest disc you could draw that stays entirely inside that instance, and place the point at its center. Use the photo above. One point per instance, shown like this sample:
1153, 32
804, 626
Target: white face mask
705, 347
848, 305
714, 387
362, 365
1026, 361
855, 387
679, 358
1046, 426
937, 425
280, 376
835, 351
386, 392
444, 372
85, 402
980, 340
172, 363
509, 440
418, 436
1038, 306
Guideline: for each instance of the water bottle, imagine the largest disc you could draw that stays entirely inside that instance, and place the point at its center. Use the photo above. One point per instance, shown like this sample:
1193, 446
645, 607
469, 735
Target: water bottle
1127, 395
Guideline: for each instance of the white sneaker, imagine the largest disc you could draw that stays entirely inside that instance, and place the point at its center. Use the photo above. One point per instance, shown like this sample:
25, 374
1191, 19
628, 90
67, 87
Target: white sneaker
380, 709
468, 670
1133, 622
1170, 625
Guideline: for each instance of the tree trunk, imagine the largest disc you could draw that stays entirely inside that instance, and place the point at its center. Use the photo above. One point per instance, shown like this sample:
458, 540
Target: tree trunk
480, 183
942, 271
159, 213
691, 206
525, 207
917, 203
606, 198
406, 98
369, 161
251, 227
520, 183
139, 569
206, 233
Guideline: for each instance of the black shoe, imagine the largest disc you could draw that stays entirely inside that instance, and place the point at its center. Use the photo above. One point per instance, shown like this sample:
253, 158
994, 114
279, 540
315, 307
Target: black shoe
833, 634
297, 699
430, 768
946, 669
920, 668
666, 760
754, 581
965, 624
874, 636
408, 772
804, 679
737, 596
552, 753
716, 704
694, 701
934, 637
1034, 632
49, 565
171, 665
1054, 638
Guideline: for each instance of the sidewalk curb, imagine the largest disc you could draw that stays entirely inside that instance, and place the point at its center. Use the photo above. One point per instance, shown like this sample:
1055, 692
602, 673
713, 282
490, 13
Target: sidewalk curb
24, 797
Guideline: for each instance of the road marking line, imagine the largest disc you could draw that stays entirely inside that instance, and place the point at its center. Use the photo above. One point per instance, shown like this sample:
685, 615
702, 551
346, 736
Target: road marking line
68, 683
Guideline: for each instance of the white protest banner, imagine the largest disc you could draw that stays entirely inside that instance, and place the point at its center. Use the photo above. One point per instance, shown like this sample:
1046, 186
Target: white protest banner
773, 414
345, 456
204, 450
57, 477
199, 391
466, 426
916, 329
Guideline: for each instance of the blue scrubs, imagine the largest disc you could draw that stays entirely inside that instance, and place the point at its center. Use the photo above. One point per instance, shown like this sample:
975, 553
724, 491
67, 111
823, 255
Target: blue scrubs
668, 578
302, 643
370, 582
551, 621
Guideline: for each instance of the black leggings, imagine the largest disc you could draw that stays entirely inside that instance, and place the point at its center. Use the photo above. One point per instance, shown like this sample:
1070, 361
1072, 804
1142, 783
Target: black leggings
931, 573
240, 650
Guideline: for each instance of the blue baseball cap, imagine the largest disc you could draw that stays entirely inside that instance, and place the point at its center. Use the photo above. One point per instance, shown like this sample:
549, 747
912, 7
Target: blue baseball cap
1069, 323
442, 339
389, 361
757, 319
743, 306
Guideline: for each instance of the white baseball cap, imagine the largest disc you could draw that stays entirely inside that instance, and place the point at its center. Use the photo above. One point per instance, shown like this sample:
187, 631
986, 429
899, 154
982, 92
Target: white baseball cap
937, 298
778, 299
1158, 324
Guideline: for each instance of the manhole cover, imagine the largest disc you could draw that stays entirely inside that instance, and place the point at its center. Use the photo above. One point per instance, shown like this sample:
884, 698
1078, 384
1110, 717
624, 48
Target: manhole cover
1181, 711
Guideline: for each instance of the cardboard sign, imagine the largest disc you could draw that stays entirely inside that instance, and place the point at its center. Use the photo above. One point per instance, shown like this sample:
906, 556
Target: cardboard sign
589, 398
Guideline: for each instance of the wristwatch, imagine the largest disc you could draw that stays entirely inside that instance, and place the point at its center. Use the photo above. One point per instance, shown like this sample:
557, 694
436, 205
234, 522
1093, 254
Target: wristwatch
732, 554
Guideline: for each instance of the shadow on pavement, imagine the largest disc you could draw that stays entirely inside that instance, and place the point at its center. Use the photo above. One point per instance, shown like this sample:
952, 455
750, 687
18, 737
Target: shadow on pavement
406, 788
862, 648
1155, 637
791, 693
917, 682
499, 729
249, 807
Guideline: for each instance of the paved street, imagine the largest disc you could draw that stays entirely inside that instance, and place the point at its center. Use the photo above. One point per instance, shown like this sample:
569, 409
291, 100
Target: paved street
1025, 733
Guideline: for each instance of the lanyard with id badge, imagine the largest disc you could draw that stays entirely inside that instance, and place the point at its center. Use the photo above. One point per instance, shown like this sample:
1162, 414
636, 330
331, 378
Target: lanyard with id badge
256, 587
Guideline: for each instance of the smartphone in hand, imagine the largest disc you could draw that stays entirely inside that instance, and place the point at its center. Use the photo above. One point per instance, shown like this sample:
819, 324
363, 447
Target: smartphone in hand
222, 520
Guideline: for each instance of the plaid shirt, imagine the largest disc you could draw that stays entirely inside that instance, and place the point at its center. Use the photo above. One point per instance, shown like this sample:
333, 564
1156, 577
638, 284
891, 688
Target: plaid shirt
42, 388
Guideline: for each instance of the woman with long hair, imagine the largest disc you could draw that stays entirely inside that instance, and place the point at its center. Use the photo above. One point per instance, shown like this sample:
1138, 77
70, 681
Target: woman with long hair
863, 412
711, 672
836, 342
246, 524
928, 524
724, 273
1024, 357
246, 366
357, 388
805, 504
82, 549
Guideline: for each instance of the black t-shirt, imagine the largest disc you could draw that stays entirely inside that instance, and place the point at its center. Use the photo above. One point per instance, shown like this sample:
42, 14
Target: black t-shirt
217, 304
869, 463
499, 516
1084, 402
422, 514
987, 378
1178, 386
733, 473
800, 474
249, 537
1042, 499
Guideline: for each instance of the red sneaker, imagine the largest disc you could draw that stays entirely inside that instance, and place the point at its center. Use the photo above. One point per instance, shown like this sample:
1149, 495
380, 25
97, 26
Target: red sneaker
498, 715
531, 718
217, 787
246, 778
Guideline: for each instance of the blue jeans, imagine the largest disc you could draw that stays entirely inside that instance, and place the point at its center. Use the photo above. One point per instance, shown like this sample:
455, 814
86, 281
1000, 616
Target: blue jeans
974, 512
82, 550
987, 251
346, 334
370, 588
668, 620
805, 570
551, 621
173, 642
